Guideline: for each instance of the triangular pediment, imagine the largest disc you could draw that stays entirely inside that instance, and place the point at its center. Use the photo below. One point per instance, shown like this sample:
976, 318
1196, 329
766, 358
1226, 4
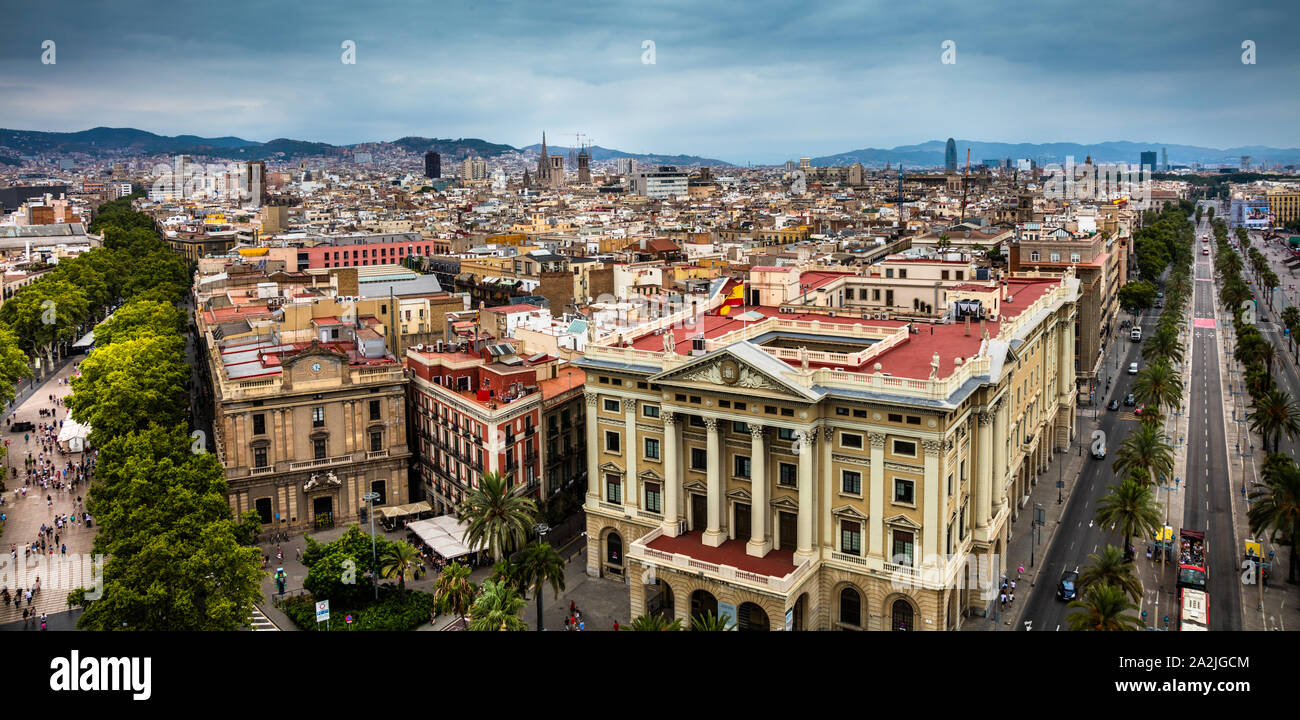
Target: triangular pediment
609, 467
649, 474
739, 494
696, 486
902, 521
848, 511
785, 503
743, 367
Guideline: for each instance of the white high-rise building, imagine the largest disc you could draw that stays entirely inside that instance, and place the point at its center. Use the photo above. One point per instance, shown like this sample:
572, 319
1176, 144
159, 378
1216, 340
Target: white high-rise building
663, 182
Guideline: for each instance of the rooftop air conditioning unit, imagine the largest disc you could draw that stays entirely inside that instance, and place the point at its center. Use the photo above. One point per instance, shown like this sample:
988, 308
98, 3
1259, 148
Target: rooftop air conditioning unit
420, 347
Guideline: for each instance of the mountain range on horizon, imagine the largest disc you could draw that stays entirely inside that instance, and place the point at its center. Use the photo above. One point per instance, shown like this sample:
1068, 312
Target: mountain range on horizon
134, 142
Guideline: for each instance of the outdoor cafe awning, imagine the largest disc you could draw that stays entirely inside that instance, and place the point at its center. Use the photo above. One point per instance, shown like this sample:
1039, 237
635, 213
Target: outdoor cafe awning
397, 511
444, 534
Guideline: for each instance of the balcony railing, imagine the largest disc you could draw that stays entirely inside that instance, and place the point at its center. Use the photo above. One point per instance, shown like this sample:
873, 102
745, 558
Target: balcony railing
322, 462
640, 549
373, 454
262, 470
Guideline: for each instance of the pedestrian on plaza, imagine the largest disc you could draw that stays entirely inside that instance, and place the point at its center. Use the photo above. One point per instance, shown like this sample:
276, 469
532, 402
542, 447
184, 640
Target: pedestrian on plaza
1011, 599
615, 626
25, 618
1020, 571
300, 554
1004, 601
582, 625
1013, 587
572, 607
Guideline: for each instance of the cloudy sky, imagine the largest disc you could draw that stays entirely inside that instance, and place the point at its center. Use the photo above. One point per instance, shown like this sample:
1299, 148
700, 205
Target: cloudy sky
746, 81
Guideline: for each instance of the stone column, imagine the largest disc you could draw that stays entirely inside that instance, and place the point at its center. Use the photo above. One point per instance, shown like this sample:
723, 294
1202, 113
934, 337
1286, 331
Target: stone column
999, 455
984, 469
631, 452
808, 444
759, 542
713, 536
933, 531
593, 450
876, 540
672, 473
825, 490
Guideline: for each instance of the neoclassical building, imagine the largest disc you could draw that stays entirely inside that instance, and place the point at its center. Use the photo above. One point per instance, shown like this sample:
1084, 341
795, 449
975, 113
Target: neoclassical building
826, 472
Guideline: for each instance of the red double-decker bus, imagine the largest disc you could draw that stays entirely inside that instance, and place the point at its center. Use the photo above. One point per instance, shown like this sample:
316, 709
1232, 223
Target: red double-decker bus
1193, 600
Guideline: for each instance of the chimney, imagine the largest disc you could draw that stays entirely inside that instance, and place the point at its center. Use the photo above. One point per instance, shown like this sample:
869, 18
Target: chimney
968, 326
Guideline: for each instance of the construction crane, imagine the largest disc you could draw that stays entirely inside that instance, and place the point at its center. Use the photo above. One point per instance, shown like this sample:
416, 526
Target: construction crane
965, 178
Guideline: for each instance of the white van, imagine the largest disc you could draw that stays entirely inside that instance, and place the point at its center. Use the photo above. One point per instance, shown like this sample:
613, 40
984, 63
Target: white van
1132, 368
1135, 334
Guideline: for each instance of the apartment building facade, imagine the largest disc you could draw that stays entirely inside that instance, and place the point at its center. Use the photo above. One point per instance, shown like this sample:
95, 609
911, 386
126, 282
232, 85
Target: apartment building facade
738, 472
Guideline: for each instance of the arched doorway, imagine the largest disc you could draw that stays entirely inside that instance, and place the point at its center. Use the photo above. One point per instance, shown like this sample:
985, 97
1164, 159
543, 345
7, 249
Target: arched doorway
703, 603
659, 600
799, 612
902, 616
752, 617
850, 607
614, 554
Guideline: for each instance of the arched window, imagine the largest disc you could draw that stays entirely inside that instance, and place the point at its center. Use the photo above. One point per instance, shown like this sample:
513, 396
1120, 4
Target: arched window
850, 607
902, 616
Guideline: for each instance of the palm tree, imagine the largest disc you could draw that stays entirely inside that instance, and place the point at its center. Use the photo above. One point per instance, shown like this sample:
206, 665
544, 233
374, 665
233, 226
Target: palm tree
1130, 509
398, 557
654, 623
539, 565
1159, 386
1291, 318
1275, 506
499, 519
497, 609
708, 622
1103, 608
1164, 344
1109, 567
1144, 450
454, 592
1275, 413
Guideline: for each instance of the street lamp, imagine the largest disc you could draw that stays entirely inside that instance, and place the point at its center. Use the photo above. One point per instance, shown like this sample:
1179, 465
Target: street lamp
370, 498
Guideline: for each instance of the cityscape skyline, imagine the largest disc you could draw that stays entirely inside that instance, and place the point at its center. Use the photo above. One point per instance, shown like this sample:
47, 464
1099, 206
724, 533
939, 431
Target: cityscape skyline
710, 91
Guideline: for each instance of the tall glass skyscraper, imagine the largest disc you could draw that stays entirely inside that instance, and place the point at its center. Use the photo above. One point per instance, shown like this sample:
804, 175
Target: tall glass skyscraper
950, 156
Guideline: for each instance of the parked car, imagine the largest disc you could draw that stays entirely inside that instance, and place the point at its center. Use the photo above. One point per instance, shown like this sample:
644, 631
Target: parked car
1114, 404
1132, 368
1130, 400
1068, 587
1138, 410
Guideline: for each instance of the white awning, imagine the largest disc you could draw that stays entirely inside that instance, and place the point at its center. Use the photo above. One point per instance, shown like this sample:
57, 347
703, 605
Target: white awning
444, 534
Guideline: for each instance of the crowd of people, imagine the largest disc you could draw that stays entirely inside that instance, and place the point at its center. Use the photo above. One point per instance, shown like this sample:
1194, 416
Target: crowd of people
50, 473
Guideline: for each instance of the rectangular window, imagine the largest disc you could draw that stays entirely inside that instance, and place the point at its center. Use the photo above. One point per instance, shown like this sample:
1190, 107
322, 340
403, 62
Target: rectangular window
652, 448
787, 412
318, 449
785, 433
913, 420
842, 411
611, 405
902, 548
896, 417
699, 459
850, 440
259, 457
611, 441
374, 409
613, 489
852, 482
850, 538
650, 411
904, 492
376, 441
742, 466
739, 427
789, 475
318, 417
696, 421
653, 498
259, 424
905, 447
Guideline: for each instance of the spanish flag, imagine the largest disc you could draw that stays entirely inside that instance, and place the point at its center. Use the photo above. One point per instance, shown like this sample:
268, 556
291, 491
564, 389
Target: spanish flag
735, 298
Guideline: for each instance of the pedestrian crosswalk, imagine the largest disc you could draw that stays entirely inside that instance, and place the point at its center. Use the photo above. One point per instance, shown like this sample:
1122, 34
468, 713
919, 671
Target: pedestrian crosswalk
260, 622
